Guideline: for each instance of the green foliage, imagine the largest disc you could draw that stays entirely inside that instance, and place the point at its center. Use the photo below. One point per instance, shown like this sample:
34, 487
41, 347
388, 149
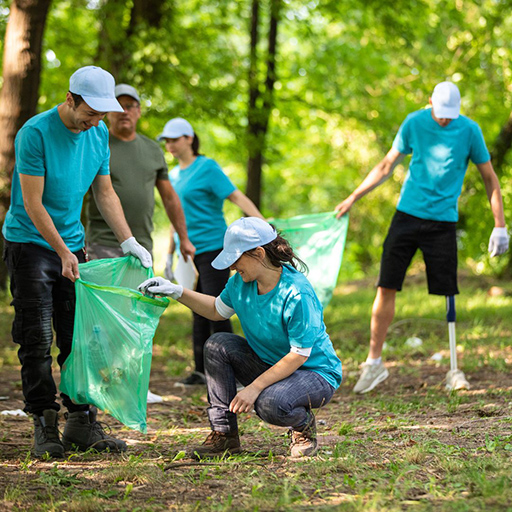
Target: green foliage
348, 72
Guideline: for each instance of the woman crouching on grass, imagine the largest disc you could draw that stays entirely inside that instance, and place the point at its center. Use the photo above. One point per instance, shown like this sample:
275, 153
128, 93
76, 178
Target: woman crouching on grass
286, 362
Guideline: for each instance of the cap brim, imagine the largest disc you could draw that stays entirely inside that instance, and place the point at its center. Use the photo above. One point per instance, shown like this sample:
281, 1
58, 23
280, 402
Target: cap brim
103, 104
128, 94
172, 135
225, 259
446, 113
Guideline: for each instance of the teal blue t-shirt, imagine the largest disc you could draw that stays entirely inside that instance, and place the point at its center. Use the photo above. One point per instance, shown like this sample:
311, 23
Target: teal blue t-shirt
69, 162
288, 316
202, 188
440, 157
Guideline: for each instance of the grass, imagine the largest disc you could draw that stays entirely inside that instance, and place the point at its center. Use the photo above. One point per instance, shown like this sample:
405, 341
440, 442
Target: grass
409, 445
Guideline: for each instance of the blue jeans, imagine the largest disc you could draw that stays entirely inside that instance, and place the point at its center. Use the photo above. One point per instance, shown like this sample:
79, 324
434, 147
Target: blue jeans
40, 295
286, 403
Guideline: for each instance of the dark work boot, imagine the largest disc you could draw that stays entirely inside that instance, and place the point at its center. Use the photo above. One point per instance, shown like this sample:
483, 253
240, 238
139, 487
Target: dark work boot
216, 444
82, 432
46, 435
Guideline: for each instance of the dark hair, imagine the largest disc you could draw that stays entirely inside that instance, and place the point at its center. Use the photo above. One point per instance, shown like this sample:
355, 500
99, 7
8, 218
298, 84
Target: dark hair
76, 98
280, 251
195, 145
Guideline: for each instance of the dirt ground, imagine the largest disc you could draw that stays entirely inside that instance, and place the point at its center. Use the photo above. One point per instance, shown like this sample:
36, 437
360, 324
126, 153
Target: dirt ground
182, 418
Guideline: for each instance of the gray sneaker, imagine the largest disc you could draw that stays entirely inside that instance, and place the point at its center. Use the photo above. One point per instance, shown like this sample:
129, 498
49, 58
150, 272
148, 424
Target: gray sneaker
371, 376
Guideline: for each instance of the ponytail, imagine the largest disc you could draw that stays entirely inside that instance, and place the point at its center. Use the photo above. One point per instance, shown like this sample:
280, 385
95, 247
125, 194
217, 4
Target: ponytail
280, 251
195, 145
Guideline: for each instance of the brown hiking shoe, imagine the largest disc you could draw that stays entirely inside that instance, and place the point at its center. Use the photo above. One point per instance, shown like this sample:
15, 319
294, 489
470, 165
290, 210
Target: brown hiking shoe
217, 444
304, 444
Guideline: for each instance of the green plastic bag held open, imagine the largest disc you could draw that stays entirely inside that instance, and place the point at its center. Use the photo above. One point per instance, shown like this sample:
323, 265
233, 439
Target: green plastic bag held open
319, 241
110, 359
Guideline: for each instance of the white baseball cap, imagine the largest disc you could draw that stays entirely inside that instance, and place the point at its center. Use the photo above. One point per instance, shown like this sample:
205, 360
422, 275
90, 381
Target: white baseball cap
176, 128
126, 90
446, 101
96, 86
243, 235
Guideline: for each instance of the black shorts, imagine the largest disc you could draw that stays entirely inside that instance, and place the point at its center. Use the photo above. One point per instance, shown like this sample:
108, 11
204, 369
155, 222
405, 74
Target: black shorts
438, 243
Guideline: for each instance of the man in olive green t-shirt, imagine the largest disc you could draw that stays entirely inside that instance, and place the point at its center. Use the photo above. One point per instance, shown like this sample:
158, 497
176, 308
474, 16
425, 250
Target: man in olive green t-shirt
137, 165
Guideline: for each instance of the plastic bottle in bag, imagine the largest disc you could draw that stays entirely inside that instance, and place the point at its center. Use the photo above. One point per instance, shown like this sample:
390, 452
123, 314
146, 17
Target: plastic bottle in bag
101, 358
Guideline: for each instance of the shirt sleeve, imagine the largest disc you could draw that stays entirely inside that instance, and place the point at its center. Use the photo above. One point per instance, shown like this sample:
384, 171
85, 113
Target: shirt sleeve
220, 184
223, 310
225, 294
304, 321
30, 152
478, 154
104, 169
163, 171
402, 141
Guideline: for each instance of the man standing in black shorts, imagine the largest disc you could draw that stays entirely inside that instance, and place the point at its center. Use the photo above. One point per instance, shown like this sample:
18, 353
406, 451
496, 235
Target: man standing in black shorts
441, 142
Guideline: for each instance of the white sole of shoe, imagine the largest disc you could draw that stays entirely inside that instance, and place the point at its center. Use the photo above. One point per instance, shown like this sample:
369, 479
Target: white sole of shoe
381, 378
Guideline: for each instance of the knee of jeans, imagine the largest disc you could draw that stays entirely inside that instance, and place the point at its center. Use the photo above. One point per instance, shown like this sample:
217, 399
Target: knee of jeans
32, 322
273, 409
214, 343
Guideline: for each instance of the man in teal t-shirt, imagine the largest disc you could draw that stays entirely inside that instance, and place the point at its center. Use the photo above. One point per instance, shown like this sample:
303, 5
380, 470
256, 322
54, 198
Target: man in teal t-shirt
60, 154
442, 143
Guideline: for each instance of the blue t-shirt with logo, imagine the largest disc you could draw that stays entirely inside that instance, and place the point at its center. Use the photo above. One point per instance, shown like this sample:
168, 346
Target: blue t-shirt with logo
288, 316
69, 162
440, 157
202, 188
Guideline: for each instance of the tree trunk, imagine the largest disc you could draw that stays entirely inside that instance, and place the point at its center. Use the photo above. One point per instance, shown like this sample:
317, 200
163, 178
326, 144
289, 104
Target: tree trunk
502, 145
120, 22
261, 99
20, 91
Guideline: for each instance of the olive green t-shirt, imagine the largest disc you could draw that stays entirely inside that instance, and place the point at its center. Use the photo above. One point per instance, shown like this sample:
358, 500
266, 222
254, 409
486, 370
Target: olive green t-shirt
135, 166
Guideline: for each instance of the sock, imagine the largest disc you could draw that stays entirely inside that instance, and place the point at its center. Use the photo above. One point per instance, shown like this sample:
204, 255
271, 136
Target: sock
371, 361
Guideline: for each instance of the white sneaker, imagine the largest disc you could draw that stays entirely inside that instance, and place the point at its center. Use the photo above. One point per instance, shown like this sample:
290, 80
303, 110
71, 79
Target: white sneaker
154, 399
455, 379
371, 376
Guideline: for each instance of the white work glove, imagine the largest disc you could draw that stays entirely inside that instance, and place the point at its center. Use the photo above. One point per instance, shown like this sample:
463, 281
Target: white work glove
498, 243
160, 286
168, 273
131, 246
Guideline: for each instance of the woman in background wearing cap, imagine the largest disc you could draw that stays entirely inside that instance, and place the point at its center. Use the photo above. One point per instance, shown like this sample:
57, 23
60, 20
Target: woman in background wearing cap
287, 361
202, 188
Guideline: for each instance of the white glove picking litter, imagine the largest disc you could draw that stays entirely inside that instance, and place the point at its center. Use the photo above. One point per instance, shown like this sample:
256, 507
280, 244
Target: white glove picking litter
160, 286
498, 243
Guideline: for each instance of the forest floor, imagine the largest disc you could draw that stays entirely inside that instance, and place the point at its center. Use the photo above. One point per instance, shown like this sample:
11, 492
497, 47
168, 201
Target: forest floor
409, 444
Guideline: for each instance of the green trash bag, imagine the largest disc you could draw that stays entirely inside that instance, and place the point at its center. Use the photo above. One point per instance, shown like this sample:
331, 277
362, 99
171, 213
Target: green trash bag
110, 359
319, 241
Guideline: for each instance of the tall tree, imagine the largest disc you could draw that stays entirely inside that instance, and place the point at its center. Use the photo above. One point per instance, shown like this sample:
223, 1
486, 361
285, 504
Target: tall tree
20, 91
502, 145
121, 21
261, 96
